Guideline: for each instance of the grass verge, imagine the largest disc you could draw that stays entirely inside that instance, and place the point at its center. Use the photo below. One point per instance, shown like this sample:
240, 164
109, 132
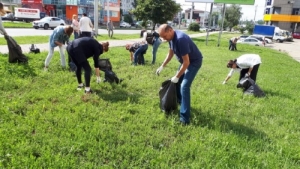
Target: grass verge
46, 123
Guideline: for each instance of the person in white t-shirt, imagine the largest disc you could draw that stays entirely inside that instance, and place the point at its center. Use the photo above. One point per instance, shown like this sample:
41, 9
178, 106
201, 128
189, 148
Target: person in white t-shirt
86, 26
246, 64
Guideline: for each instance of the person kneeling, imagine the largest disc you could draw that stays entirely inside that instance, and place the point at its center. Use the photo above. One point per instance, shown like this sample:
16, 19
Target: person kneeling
137, 51
79, 51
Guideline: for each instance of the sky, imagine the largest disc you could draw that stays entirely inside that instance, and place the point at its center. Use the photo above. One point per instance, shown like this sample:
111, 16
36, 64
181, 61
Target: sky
247, 10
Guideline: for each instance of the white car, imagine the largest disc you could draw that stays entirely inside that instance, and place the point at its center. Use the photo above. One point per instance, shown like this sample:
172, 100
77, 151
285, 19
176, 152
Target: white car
251, 41
125, 25
48, 22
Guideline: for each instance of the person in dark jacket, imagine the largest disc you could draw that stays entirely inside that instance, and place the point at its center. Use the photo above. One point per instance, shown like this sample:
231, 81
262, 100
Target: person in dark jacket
79, 51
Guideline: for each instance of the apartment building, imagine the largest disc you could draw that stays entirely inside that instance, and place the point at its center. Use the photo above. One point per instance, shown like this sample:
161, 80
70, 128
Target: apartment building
283, 13
126, 6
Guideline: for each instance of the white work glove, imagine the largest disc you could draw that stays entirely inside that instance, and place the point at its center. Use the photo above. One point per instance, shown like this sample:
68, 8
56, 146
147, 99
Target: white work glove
174, 79
98, 79
224, 82
247, 75
64, 47
159, 70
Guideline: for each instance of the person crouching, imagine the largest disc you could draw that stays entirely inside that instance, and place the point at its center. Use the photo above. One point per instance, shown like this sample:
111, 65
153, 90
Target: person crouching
137, 51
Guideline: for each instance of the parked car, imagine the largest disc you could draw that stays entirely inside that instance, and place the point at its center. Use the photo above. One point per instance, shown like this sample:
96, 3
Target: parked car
124, 25
296, 35
252, 41
261, 38
242, 37
48, 22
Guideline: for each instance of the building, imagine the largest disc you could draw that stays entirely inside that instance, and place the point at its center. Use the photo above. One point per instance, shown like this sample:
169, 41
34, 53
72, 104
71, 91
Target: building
126, 6
283, 13
65, 9
198, 16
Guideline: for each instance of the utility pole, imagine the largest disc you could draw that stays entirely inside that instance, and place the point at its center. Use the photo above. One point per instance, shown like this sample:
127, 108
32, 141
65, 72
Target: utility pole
255, 13
191, 15
96, 15
209, 24
107, 3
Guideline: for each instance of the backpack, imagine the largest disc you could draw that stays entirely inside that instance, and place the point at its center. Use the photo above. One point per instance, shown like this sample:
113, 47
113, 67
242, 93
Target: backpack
150, 38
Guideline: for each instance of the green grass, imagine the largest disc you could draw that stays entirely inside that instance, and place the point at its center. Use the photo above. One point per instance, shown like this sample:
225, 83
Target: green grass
46, 123
45, 39
17, 25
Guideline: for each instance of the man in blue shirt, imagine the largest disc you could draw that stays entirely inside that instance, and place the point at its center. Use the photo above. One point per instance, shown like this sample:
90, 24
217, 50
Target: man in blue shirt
190, 59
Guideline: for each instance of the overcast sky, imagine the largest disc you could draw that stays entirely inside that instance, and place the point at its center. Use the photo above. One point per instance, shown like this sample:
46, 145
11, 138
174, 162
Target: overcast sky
247, 10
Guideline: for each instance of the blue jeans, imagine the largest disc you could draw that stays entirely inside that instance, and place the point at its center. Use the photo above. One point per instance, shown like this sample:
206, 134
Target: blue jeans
76, 35
140, 51
183, 92
155, 46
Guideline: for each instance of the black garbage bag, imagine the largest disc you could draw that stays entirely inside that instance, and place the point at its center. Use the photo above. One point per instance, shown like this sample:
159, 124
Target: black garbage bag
250, 87
104, 64
111, 77
168, 96
15, 51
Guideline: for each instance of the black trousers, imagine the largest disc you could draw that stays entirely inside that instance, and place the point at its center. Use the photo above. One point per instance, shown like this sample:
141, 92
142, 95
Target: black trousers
253, 72
79, 59
86, 34
232, 46
87, 72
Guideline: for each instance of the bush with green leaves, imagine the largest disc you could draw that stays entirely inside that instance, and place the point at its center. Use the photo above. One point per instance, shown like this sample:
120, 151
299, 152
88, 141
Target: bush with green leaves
242, 30
194, 27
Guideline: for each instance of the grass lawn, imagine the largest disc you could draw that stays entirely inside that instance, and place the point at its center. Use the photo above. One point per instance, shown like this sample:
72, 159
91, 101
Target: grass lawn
46, 123
9, 24
45, 39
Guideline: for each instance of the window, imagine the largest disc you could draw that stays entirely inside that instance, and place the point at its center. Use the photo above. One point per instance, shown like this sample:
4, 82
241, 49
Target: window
267, 11
295, 11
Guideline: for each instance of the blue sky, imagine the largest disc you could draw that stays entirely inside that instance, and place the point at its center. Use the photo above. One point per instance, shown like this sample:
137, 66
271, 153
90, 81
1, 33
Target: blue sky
247, 10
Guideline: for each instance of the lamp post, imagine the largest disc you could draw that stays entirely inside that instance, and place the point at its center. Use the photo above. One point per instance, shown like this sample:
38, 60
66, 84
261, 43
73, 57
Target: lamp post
96, 15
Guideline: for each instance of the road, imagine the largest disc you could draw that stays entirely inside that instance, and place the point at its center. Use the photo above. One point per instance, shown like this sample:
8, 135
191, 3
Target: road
292, 48
41, 32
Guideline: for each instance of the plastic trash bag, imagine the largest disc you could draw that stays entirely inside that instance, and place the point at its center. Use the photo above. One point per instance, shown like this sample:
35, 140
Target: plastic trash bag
250, 87
168, 96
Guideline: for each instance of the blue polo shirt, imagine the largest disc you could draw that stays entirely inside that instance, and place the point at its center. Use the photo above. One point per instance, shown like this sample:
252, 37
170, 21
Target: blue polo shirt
182, 44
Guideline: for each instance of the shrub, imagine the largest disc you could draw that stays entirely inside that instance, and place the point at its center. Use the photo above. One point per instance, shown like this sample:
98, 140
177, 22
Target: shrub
194, 27
242, 30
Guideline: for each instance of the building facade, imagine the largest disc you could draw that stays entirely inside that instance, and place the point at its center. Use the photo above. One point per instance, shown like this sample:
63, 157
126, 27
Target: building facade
65, 9
126, 6
284, 14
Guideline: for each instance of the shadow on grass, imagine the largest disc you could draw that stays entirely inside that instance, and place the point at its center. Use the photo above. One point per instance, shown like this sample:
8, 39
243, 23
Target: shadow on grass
19, 69
117, 93
203, 39
225, 125
270, 93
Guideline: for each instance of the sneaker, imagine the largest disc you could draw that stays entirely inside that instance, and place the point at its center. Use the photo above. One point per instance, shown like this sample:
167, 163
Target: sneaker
88, 92
80, 87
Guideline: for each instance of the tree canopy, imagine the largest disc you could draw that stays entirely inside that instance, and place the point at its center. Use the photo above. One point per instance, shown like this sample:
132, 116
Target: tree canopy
158, 11
233, 15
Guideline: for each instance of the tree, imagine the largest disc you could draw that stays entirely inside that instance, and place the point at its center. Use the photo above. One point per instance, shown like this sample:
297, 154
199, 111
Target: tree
157, 11
233, 15
134, 3
260, 22
128, 18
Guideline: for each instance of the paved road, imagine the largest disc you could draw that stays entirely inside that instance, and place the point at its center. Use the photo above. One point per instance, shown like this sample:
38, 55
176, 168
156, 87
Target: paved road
292, 48
39, 32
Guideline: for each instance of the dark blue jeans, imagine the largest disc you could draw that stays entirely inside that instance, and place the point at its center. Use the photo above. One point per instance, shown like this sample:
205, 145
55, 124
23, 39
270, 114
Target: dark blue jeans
140, 51
183, 91
155, 46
